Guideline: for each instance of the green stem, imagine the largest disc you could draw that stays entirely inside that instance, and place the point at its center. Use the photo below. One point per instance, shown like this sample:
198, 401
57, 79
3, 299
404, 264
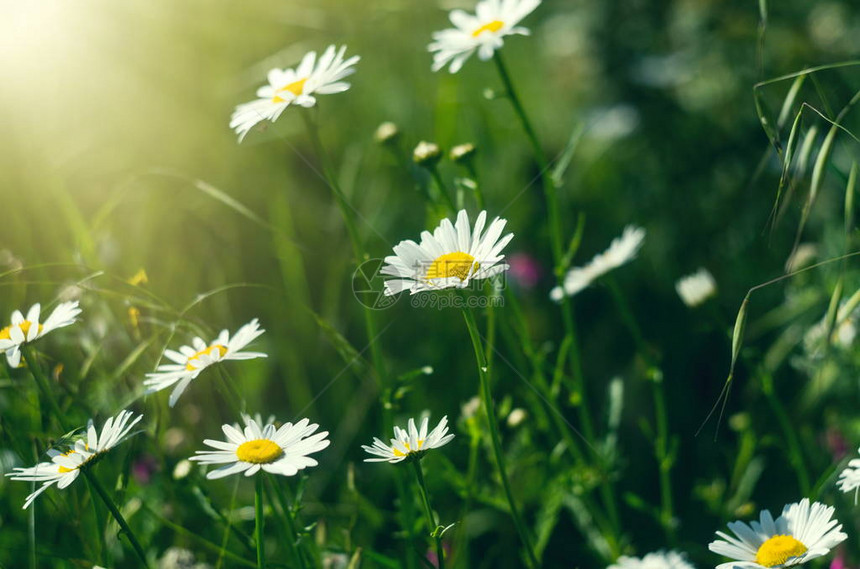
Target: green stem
117, 515
556, 232
443, 189
428, 511
42, 381
494, 434
479, 192
290, 527
259, 522
369, 320
795, 455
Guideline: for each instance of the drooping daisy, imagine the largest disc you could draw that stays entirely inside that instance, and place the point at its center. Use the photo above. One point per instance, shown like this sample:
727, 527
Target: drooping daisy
658, 560
451, 257
849, 479
409, 442
258, 447
483, 32
696, 288
191, 360
27, 329
621, 251
323, 76
804, 531
65, 467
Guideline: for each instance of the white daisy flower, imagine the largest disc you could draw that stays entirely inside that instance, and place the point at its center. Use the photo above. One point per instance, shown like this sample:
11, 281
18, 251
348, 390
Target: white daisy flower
483, 32
849, 479
696, 288
65, 467
658, 560
27, 329
451, 257
621, 251
189, 361
323, 76
278, 451
804, 531
410, 442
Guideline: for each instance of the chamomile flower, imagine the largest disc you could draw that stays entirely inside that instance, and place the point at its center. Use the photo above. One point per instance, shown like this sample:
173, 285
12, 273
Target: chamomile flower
258, 447
621, 251
696, 288
849, 479
658, 560
409, 442
189, 361
804, 531
483, 32
323, 76
451, 257
64, 467
27, 329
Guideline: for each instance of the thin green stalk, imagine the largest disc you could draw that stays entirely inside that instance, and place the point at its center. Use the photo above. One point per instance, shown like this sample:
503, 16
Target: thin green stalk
117, 515
100, 528
479, 192
290, 527
661, 444
795, 454
33, 365
369, 319
494, 434
443, 189
260, 521
428, 511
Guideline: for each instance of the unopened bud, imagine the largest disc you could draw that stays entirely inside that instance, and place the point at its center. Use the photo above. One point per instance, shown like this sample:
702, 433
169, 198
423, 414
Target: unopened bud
386, 133
427, 154
462, 153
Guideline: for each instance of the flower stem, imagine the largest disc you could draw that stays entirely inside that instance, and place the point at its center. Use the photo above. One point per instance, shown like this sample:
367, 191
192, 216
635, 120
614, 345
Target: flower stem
289, 526
487, 397
259, 522
428, 511
443, 189
42, 381
117, 515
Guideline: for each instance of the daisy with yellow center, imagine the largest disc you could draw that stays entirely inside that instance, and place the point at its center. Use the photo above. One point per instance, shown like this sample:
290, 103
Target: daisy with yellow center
410, 442
66, 465
451, 257
189, 361
258, 447
323, 76
23, 329
483, 32
803, 532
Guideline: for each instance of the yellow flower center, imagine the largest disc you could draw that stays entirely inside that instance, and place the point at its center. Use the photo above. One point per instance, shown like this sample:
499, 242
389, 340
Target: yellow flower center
191, 366
777, 550
452, 265
493, 26
260, 451
63, 469
295, 88
24, 326
406, 444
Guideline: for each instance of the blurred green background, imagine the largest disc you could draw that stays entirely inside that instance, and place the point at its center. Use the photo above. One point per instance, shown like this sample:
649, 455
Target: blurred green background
116, 156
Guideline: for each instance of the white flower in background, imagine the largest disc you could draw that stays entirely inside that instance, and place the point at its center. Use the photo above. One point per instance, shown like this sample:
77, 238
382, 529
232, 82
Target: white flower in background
696, 288
191, 360
622, 250
410, 442
323, 76
451, 257
258, 447
803, 532
483, 32
844, 328
65, 467
849, 479
27, 329
658, 560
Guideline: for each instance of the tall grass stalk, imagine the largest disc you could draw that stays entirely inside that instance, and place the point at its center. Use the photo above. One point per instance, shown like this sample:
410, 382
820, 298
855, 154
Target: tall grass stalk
428, 511
259, 522
117, 515
487, 397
